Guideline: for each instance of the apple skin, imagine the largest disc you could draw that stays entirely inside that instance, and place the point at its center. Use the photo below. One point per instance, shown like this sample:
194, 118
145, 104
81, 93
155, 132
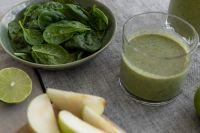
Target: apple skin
75, 102
64, 128
70, 123
41, 117
100, 122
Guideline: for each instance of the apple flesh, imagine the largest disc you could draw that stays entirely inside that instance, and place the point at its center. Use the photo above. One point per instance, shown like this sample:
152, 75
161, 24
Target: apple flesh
41, 117
75, 102
69, 123
100, 122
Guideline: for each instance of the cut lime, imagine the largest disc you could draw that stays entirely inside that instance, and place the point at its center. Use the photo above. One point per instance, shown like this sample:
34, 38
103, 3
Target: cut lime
197, 101
15, 85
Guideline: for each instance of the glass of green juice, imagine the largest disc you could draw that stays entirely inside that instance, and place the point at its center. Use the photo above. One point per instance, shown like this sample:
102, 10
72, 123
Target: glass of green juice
156, 56
188, 10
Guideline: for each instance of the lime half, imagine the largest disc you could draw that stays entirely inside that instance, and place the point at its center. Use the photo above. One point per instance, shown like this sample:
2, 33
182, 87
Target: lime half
15, 85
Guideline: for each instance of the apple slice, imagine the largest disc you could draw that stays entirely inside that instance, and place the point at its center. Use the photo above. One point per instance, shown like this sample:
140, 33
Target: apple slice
41, 117
100, 122
75, 102
69, 123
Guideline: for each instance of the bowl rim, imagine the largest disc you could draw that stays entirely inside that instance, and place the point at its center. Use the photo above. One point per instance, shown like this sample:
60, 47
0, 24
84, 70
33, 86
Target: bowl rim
37, 65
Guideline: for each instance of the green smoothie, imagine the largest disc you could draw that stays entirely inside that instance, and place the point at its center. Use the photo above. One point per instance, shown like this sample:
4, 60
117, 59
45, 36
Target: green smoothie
154, 66
188, 10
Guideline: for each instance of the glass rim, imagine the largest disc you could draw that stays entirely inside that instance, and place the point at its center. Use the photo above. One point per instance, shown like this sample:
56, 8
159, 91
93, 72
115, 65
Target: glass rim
196, 35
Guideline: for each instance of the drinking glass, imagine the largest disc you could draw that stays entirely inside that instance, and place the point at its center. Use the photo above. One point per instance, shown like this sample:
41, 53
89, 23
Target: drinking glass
156, 56
188, 10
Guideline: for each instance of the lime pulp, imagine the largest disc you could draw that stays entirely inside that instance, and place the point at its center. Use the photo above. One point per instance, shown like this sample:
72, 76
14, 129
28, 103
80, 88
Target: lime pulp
15, 85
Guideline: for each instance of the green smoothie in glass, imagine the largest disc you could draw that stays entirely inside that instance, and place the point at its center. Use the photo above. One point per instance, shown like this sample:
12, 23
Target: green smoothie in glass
156, 56
152, 67
188, 10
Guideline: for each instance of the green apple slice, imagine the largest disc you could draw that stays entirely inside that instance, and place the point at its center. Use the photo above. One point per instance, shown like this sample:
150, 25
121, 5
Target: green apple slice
75, 102
69, 123
41, 117
100, 122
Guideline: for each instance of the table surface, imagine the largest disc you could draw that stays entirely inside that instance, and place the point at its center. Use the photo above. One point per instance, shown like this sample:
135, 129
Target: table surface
100, 77
13, 117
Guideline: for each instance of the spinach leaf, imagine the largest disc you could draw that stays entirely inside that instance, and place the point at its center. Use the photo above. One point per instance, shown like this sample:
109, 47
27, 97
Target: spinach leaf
33, 24
36, 13
32, 36
17, 37
32, 17
32, 21
62, 31
18, 41
66, 1
77, 55
49, 54
86, 41
98, 19
52, 5
75, 12
29, 11
22, 50
44, 15
80, 55
13, 29
24, 56
48, 17
21, 47
101, 34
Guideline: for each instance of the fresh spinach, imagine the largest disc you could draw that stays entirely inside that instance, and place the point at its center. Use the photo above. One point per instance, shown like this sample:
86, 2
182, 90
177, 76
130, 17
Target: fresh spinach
50, 54
17, 37
29, 11
13, 29
77, 55
32, 21
18, 42
24, 56
47, 17
101, 34
33, 24
66, 1
57, 32
75, 12
52, 5
21, 47
87, 41
80, 55
32, 36
36, 12
98, 19
62, 31
38, 19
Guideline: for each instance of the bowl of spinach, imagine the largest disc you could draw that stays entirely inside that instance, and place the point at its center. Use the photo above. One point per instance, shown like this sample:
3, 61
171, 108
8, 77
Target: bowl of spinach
56, 34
